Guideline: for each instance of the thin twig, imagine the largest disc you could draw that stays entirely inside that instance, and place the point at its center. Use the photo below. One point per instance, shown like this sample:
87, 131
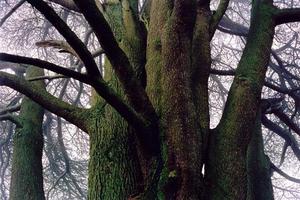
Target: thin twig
18, 5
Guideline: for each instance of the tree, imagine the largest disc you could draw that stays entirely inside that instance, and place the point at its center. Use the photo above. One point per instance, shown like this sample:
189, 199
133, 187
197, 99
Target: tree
27, 178
149, 122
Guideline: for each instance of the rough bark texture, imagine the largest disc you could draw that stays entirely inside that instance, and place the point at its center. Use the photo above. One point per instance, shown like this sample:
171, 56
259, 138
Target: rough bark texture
27, 177
114, 168
177, 57
226, 168
114, 172
201, 63
179, 113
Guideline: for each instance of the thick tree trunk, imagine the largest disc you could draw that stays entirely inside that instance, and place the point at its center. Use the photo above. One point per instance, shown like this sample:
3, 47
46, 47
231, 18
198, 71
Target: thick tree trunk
114, 171
178, 65
27, 177
118, 169
226, 170
180, 124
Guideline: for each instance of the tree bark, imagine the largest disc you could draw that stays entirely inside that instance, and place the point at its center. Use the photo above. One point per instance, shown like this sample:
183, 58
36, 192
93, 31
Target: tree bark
258, 166
27, 170
123, 161
114, 171
226, 169
114, 168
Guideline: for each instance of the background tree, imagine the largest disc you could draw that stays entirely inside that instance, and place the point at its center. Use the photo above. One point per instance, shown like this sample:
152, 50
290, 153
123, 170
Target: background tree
64, 175
159, 86
27, 178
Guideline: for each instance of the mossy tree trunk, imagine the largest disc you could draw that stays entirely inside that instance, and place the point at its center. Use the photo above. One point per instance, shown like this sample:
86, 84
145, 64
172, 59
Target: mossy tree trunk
226, 170
27, 170
178, 64
114, 168
177, 61
114, 171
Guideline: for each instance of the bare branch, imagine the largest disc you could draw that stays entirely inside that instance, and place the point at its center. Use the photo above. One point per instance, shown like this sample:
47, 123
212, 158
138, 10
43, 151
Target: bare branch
71, 113
69, 4
14, 119
285, 119
37, 78
58, 44
100, 86
288, 177
287, 15
283, 153
133, 89
288, 138
226, 25
223, 72
18, 5
45, 65
78, 46
217, 16
98, 52
65, 47
10, 109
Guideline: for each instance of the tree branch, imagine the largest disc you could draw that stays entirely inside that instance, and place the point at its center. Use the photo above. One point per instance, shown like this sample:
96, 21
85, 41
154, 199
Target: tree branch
287, 15
217, 16
100, 86
65, 47
69, 4
226, 25
283, 153
106, 92
58, 44
10, 117
222, 72
288, 138
18, 5
10, 109
37, 78
288, 177
45, 65
71, 113
133, 89
78, 46
285, 119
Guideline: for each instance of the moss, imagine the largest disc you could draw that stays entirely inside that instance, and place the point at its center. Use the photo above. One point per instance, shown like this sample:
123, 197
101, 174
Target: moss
157, 44
201, 63
114, 172
114, 169
27, 178
160, 12
227, 169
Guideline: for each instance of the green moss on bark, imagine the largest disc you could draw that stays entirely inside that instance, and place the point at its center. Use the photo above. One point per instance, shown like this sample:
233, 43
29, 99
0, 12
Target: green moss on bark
27, 176
226, 167
114, 168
